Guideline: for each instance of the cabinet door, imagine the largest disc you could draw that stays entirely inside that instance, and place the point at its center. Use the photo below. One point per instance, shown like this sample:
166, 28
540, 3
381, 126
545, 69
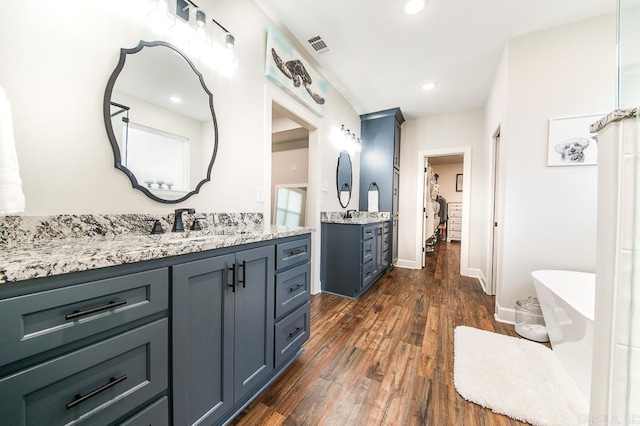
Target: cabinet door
254, 312
202, 332
394, 240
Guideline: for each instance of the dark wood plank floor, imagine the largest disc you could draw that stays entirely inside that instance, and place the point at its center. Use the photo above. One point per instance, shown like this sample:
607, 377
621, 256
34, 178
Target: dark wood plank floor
387, 358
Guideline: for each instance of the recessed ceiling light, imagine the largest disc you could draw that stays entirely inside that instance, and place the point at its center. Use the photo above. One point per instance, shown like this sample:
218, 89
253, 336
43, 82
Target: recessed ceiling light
429, 86
411, 7
175, 99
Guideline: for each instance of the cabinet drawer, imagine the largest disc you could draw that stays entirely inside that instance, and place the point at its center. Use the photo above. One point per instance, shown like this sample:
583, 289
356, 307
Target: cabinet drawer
292, 253
368, 232
292, 288
367, 273
367, 251
156, 414
41, 321
96, 385
385, 241
455, 213
456, 220
455, 227
455, 235
385, 227
291, 333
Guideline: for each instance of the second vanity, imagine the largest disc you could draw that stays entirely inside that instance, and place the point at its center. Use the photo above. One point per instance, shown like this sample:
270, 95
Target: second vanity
150, 329
355, 252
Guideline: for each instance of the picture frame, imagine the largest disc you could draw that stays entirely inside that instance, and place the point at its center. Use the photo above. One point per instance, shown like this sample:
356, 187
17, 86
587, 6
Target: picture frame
459, 182
570, 142
286, 67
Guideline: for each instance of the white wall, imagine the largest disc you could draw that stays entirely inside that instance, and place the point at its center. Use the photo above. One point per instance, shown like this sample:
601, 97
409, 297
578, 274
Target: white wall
449, 131
447, 181
57, 57
549, 213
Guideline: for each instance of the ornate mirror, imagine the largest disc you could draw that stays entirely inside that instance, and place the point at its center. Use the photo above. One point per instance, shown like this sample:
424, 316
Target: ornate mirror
344, 181
159, 117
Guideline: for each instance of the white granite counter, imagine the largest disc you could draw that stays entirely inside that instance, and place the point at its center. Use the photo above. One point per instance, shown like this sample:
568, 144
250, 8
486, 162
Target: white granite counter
42, 257
358, 218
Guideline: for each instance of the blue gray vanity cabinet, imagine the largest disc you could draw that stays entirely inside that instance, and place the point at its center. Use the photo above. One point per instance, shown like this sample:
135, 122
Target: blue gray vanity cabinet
90, 347
380, 163
292, 315
222, 332
354, 256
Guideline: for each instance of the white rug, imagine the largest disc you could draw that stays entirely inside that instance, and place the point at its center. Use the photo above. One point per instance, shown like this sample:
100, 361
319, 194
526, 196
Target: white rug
516, 377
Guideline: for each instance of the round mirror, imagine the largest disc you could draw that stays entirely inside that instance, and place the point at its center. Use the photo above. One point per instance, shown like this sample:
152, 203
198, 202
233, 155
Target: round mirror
344, 179
160, 121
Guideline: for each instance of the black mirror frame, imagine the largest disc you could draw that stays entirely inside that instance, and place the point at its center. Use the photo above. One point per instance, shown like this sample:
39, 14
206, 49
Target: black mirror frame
112, 138
338, 186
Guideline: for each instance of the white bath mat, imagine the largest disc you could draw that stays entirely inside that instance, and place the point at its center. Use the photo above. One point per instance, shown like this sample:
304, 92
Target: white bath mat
515, 377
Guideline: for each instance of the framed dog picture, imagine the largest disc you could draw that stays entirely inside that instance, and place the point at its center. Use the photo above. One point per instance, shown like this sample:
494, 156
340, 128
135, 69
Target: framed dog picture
571, 143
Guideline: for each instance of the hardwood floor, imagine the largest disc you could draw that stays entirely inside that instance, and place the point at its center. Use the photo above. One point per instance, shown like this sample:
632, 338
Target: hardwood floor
387, 358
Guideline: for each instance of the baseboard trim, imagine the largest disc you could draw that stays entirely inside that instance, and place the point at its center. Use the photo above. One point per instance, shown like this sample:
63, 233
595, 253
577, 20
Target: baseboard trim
505, 315
407, 264
477, 273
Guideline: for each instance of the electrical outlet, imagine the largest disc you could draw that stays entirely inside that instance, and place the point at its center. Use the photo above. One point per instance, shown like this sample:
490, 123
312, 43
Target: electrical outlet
260, 194
294, 167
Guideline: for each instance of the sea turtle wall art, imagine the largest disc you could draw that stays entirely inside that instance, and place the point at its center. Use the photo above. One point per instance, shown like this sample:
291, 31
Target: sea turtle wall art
286, 67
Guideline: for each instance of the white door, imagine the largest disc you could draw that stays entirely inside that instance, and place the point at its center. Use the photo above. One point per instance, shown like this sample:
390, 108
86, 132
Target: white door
495, 239
425, 216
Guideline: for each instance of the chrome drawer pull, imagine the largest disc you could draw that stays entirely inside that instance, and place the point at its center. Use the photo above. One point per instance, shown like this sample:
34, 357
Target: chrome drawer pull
295, 332
292, 289
110, 305
78, 399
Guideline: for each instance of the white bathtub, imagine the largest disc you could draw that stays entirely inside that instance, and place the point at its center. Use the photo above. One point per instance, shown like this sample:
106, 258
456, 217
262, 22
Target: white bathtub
567, 300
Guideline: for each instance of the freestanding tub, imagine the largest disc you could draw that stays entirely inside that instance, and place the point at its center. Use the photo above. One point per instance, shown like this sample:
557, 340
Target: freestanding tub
567, 300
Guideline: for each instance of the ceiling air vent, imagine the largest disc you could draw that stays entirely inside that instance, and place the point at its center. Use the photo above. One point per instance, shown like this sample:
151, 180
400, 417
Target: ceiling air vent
318, 45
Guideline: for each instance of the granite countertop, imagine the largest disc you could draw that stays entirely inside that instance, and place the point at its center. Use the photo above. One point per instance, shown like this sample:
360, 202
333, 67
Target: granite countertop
358, 218
42, 258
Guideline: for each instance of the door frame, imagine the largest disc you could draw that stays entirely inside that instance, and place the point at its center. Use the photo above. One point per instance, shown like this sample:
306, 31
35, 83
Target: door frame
303, 116
493, 240
465, 151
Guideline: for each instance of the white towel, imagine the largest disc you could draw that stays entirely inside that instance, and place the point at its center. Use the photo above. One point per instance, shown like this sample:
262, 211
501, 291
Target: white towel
11, 195
373, 201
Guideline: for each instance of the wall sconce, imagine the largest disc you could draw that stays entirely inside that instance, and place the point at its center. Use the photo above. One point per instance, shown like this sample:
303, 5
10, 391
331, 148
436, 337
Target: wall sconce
192, 29
345, 140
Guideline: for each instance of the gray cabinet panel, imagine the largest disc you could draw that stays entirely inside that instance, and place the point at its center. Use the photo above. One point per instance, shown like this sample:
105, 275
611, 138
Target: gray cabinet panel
80, 386
157, 414
292, 288
253, 319
40, 321
291, 333
353, 257
293, 253
202, 335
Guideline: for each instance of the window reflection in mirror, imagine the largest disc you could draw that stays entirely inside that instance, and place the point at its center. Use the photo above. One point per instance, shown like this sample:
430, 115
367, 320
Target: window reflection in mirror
291, 206
162, 119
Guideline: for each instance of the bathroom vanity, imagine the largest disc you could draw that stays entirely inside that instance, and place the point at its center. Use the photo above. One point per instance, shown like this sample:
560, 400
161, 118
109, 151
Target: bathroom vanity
355, 252
170, 329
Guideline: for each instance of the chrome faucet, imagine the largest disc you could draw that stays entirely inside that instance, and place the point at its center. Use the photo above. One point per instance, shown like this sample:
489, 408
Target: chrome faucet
177, 222
349, 214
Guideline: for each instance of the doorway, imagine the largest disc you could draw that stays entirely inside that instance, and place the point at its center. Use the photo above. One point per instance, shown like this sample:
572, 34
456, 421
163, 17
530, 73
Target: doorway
279, 104
289, 169
495, 223
441, 190
465, 184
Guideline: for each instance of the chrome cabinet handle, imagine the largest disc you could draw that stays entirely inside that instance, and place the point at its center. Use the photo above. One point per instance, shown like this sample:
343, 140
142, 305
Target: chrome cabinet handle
110, 305
296, 252
79, 399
